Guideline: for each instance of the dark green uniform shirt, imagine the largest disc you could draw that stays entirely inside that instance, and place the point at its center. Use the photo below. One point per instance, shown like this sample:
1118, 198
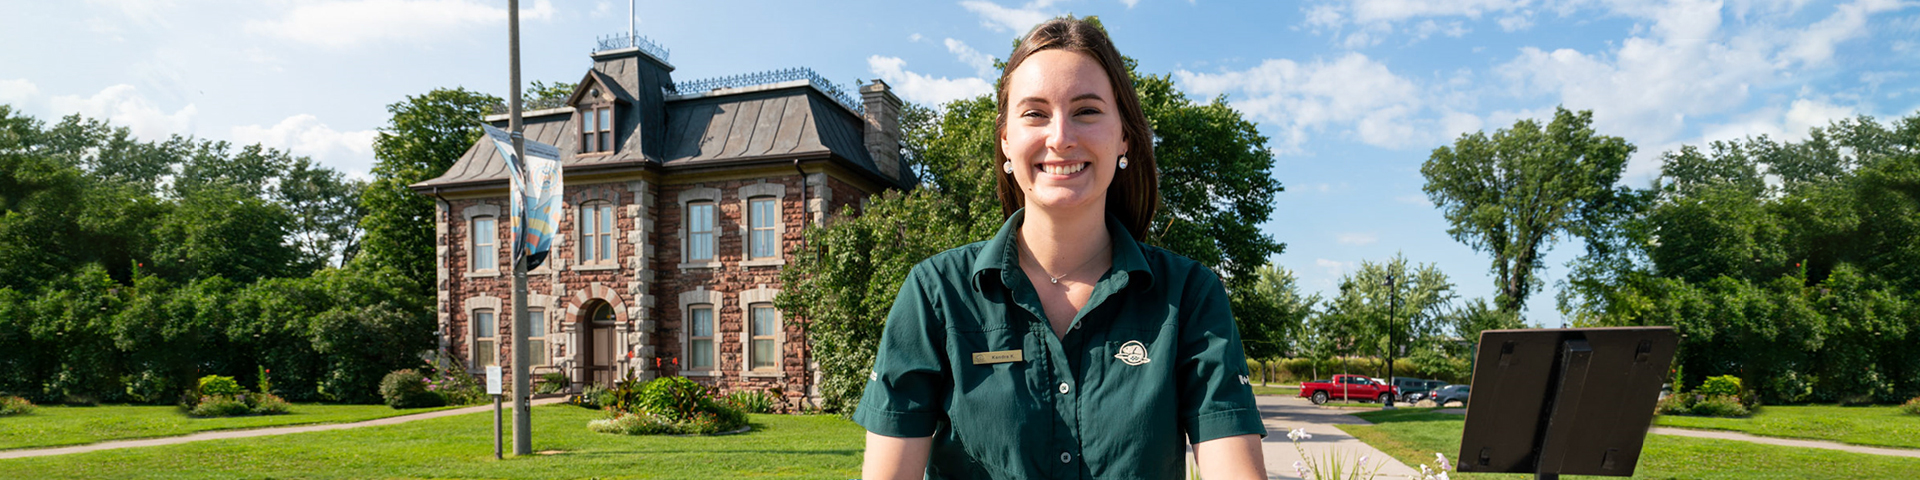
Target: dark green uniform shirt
1152, 361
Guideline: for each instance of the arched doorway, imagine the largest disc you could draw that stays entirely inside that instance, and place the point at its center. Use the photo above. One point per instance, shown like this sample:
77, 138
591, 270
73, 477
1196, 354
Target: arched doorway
597, 335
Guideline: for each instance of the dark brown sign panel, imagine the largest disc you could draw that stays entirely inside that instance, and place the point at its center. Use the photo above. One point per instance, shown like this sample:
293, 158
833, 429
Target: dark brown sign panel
1564, 401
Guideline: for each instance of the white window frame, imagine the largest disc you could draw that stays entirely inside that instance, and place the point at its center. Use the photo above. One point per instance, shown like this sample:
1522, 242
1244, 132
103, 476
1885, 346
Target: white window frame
537, 353
687, 199
471, 215
757, 192
701, 298
473, 306
596, 127
598, 243
762, 296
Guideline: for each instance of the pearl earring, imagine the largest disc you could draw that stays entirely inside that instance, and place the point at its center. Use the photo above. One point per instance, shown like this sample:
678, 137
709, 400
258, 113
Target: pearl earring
1007, 167
1123, 161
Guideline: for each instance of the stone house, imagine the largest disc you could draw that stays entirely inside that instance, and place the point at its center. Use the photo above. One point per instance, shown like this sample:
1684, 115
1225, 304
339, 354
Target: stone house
682, 203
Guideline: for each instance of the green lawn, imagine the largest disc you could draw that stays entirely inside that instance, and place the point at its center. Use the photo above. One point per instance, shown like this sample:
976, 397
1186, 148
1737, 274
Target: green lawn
1293, 391
1877, 426
52, 426
780, 446
1413, 435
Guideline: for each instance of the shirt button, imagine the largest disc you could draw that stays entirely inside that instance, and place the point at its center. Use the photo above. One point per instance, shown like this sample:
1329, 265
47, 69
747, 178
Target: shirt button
1064, 388
1066, 457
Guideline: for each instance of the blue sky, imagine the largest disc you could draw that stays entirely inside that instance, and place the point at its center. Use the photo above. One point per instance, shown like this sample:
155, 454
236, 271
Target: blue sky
1353, 94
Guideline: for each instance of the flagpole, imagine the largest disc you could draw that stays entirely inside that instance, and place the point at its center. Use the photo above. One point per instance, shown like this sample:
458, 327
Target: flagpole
522, 420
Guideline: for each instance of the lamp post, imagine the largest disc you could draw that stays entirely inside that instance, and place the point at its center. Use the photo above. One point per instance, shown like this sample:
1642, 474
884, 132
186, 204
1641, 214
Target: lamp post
1392, 297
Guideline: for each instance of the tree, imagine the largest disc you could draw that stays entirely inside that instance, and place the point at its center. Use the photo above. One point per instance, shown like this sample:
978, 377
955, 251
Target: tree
1511, 193
1415, 306
426, 134
326, 210
1281, 288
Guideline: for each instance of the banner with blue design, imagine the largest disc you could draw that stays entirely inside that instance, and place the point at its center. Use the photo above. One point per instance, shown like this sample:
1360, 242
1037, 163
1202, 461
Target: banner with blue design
535, 192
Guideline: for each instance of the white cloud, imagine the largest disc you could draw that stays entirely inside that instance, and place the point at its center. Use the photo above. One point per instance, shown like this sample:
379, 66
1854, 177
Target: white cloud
1352, 92
925, 89
354, 22
1332, 267
1427, 28
122, 105
915, 37
1374, 20
1131, 3
1016, 20
1815, 44
1357, 238
153, 12
981, 63
17, 92
1515, 23
348, 152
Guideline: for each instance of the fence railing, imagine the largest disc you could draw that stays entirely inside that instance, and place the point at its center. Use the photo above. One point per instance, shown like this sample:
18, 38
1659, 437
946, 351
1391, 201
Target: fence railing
625, 40
770, 77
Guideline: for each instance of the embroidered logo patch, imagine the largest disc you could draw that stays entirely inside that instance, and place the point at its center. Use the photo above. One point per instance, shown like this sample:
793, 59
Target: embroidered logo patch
1133, 353
1245, 381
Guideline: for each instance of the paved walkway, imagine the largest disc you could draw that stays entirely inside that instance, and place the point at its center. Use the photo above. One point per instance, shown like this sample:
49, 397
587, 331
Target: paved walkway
1283, 414
1743, 437
260, 432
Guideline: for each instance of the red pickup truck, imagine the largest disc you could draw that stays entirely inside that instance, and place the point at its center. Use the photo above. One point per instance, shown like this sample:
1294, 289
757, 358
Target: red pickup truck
1347, 387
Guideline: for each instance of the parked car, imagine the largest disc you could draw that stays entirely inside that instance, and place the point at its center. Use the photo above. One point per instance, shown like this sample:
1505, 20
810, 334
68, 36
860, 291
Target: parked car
1347, 387
1414, 389
1450, 393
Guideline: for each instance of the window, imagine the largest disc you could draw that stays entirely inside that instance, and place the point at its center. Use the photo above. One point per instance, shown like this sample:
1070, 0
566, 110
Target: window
700, 231
484, 332
762, 215
765, 345
596, 233
596, 128
485, 237
700, 338
536, 337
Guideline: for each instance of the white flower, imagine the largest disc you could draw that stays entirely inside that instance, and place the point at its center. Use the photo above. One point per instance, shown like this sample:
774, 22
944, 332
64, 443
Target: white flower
1363, 460
1425, 471
1298, 434
1300, 468
1441, 476
1442, 460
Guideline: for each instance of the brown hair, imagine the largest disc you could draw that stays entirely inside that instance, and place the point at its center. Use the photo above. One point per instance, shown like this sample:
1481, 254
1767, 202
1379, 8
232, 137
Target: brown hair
1134, 195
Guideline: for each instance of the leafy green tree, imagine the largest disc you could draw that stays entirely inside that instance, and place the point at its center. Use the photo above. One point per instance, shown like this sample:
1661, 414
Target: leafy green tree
1416, 307
426, 134
224, 231
1281, 288
326, 210
1511, 193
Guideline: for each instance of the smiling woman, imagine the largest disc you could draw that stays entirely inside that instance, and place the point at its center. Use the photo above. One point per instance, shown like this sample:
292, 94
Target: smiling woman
1063, 346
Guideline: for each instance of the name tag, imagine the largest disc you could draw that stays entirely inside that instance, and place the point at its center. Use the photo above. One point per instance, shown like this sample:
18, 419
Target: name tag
1003, 356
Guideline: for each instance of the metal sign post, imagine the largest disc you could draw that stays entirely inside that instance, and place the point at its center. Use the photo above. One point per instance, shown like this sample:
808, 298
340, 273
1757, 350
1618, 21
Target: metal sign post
493, 388
522, 423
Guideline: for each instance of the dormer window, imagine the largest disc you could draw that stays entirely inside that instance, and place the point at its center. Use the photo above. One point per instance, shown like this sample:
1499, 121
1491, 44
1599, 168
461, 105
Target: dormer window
596, 127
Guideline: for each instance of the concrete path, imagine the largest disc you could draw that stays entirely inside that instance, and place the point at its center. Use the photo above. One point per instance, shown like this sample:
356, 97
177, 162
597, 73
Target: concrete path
1283, 414
260, 432
1743, 437
1786, 442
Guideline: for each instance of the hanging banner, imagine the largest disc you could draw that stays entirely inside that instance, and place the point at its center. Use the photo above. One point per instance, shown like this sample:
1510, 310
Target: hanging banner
535, 191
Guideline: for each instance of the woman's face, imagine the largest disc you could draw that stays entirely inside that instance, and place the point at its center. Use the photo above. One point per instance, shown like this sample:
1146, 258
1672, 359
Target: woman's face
1063, 131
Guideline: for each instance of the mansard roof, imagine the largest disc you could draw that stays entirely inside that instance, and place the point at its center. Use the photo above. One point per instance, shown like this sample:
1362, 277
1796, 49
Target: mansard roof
771, 122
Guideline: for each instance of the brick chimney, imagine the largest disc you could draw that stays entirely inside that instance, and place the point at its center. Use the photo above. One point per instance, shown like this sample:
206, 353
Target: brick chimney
883, 127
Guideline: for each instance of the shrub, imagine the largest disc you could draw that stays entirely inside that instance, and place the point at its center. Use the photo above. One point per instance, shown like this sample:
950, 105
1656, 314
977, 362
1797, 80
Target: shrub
632, 424
750, 402
215, 385
553, 382
594, 396
1720, 406
674, 397
1724, 385
406, 388
12, 405
1675, 404
220, 406
150, 387
456, 388
1912, 407
268, 404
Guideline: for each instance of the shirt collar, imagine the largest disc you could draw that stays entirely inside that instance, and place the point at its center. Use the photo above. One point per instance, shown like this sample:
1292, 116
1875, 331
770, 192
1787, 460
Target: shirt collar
1000, 254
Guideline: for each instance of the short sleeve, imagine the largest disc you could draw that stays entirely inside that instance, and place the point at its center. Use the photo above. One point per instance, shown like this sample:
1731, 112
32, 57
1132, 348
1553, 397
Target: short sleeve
1216, 397
906, 391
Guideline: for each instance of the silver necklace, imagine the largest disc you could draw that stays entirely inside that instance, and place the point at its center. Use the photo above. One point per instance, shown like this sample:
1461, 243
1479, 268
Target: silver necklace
1056, 280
